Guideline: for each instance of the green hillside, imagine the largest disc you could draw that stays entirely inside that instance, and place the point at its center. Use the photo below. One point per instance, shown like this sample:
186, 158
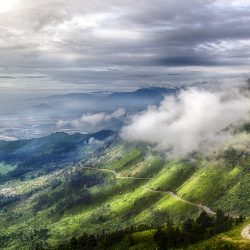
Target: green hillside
121, 186
231, 239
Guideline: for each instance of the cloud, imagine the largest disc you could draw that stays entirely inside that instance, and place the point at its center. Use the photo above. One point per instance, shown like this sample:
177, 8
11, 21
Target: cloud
94, 141
70, 42
91, 119
194, 120
7, 138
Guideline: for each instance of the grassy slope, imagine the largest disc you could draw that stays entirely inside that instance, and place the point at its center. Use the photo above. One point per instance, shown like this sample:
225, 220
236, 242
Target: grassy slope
229, 240
119, 203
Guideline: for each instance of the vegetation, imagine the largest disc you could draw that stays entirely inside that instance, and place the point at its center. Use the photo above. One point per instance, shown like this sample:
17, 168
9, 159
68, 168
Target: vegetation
122, 189
168, 236
46, 153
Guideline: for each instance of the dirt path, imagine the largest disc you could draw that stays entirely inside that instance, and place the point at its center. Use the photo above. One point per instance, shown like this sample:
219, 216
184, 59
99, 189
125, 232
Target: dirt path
118, 176
245, 233
200, 206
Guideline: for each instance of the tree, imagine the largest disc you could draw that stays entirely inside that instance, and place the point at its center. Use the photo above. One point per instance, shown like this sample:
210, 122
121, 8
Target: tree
188, 231
204, 221
91, 242
160, 239
73, 243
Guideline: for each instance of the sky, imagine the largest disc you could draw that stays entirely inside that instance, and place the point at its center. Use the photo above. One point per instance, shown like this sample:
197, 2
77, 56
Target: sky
55, 46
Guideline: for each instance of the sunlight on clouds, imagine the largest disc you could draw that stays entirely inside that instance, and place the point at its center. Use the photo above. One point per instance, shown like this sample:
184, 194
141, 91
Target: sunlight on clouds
7, 5
117, 34
53, 36
78, 22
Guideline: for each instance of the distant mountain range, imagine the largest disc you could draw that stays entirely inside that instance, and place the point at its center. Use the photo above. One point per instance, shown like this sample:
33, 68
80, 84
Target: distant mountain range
138, 99
42, 116
97, 102
40, 109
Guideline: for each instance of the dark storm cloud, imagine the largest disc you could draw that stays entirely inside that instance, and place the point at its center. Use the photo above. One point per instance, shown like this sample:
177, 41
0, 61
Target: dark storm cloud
187, 61
122, 43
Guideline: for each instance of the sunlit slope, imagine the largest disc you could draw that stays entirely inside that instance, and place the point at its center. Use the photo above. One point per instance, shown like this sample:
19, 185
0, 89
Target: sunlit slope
227, 240
219, 186
121, 186
144, 240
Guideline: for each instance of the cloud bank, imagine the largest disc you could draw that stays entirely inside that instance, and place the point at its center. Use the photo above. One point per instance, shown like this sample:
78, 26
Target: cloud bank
194, 120
92, 120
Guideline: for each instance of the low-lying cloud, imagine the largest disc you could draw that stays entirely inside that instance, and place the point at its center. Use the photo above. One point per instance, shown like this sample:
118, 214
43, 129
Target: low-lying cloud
94, 141
7, 138
194, 120
91, 119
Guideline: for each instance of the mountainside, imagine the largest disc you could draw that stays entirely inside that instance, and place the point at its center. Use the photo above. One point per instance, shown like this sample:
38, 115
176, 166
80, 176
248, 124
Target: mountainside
138, 99
119, 186
49, 152
200, 234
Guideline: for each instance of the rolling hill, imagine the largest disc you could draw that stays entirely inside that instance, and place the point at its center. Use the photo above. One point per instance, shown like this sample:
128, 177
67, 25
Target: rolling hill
118, 186
49, 152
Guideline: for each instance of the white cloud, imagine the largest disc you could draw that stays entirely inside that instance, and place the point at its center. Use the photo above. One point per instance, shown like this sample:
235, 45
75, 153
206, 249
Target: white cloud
92, 140
7, 6
116, 114
92, 119
192, 121
7, 138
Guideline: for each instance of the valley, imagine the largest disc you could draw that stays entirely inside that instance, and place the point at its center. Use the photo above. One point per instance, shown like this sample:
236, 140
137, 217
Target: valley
119, 186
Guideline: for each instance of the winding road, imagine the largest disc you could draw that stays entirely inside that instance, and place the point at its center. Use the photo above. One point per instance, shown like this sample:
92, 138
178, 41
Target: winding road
200, 206
245, 233
119, 176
